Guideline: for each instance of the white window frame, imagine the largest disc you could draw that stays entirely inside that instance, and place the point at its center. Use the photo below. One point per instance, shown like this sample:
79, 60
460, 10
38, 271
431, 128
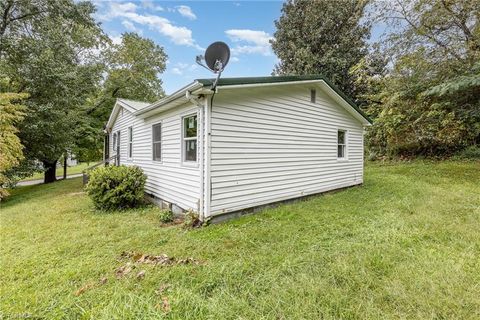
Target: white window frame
114, 139
345, 145
182, 136
160, 142
130, 142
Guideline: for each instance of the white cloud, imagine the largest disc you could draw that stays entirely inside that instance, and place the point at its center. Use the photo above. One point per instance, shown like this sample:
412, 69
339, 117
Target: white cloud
150, 5
186, 12
177, 34
180, 67
251, 41
131, 27
177, 71
116, 39
234, 59
127, 6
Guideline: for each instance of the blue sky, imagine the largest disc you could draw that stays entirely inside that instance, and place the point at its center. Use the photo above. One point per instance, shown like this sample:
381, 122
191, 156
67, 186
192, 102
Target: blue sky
186, 28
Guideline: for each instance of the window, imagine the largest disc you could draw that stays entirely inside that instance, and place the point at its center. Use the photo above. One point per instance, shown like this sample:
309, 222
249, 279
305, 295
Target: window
189, 136
157, 141
313, 95
342, 145
114, 145
130, 142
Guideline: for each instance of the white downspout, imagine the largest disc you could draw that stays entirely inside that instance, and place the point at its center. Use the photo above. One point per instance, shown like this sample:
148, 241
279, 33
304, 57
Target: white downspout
194, 99
208, 132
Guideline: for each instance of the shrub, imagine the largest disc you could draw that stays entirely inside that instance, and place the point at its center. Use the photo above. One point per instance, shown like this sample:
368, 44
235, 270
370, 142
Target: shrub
471, 152
116, 187
165, 216
191, 220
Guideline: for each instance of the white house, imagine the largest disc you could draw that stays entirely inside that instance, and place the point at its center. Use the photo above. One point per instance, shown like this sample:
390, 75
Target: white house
254, 141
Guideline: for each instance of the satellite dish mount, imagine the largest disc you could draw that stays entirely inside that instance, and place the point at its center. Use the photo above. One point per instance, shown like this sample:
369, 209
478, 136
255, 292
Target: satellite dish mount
215, 59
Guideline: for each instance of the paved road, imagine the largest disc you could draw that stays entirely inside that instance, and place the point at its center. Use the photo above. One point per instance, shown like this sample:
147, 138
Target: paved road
40, 181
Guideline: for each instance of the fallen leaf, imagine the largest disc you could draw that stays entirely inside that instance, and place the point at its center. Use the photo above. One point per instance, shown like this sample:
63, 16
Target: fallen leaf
141, 274
161, 289
165, 304
124, 270
103, 280
84, 288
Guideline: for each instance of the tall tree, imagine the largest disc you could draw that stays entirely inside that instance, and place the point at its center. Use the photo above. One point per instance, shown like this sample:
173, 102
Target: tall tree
132, 72
429, 104
322, 37
47, 48
11, 153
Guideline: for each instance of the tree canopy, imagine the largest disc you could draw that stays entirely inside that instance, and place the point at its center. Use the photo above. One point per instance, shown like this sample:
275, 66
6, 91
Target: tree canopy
72, 72
429, 103
322, 37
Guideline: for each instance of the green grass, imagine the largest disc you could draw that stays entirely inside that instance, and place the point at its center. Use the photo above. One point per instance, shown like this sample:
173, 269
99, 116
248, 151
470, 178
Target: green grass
404, 245
70, 171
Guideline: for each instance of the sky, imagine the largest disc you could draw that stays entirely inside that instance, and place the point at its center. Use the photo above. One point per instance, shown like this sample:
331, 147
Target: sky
186, 28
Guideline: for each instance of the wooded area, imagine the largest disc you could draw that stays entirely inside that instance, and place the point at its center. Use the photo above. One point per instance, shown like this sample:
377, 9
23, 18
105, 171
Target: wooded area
60, 74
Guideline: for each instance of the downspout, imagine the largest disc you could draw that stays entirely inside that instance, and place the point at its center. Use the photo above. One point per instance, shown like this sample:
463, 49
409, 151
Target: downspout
196, 101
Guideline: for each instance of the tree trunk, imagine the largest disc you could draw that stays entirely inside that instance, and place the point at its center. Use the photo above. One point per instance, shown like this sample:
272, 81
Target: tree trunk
65, 156
50, 171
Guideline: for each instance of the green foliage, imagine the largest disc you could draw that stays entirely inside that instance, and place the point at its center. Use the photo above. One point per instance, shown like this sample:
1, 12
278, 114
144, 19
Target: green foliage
165, 216
322, 37
48, 50
469, 153
11, 153
116, 187
132, 68
429, 102
191, 220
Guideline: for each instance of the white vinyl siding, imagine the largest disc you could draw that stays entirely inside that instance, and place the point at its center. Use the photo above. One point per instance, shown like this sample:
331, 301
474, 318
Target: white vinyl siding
169, 179
269, 145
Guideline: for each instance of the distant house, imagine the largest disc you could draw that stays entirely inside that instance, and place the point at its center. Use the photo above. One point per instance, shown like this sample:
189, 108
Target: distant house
255, 141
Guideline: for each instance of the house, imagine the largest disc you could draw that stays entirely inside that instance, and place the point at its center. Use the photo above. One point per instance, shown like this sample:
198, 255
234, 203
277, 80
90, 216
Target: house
252, 142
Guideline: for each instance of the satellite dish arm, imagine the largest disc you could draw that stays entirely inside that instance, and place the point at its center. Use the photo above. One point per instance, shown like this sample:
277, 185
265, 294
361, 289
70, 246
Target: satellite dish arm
218, 70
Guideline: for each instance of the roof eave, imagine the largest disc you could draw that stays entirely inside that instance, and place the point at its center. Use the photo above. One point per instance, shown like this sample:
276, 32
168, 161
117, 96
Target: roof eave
161, 105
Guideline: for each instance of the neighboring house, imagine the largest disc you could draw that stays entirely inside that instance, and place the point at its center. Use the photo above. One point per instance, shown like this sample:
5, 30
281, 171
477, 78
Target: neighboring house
255, 141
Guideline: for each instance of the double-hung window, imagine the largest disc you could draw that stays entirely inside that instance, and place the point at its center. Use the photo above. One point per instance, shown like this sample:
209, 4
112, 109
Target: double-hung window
130, 142
189, 138
341, 144
157, 142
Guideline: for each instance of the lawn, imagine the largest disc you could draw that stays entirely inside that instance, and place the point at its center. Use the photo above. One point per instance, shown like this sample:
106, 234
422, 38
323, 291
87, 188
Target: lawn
406, 244
70, 171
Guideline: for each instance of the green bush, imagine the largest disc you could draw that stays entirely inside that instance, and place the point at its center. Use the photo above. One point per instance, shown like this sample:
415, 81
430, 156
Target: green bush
116, 187
471, 152
165, 216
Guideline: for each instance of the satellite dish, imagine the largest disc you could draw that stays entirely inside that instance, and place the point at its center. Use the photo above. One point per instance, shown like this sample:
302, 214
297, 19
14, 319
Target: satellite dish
216, 59
217, 56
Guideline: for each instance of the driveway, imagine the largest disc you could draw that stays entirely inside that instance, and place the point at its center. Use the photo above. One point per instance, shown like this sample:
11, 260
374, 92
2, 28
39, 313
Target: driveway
40, 181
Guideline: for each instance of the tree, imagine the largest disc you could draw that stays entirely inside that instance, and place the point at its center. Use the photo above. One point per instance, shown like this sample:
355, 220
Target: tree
11, 113
322, 37
133, 67
47, 49
429, 104
132, 72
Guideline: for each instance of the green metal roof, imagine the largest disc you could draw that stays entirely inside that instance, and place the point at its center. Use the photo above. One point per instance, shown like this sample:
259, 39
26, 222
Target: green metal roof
278, 79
